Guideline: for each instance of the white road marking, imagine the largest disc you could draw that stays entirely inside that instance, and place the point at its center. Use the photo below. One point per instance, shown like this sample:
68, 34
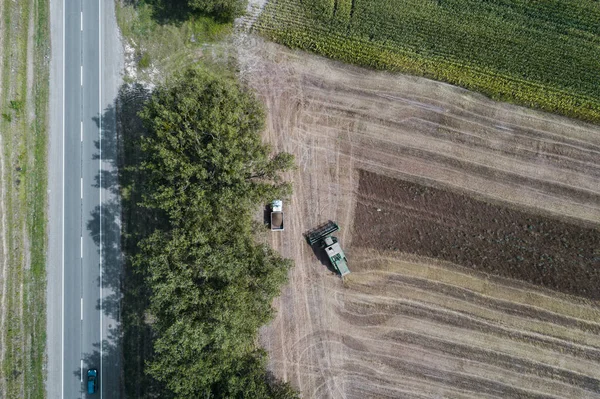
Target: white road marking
81, 74
81, 308
81, 246
100, 170
81, 132
82, 21
81, 187
62, 313
81, 373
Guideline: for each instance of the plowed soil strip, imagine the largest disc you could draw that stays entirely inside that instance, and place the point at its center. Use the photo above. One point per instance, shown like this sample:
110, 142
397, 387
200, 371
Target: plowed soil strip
398, 215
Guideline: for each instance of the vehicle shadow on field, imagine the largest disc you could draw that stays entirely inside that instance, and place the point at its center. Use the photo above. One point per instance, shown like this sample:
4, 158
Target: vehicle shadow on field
320, 254
124, 224
323, 258
267, 216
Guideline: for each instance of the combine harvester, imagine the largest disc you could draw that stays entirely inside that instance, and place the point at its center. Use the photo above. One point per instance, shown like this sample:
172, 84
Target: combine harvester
322, 236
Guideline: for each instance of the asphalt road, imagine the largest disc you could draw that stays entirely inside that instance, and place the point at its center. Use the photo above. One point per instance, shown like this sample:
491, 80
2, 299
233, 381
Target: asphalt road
84, 255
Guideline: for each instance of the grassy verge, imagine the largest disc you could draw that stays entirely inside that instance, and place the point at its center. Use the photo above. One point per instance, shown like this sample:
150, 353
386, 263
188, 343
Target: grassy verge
24, 138
154, 50
539, 54
37, 196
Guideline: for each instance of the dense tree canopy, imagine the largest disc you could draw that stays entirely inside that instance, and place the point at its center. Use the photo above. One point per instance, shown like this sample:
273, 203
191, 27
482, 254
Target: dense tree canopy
212, 284
205, 148
225, 10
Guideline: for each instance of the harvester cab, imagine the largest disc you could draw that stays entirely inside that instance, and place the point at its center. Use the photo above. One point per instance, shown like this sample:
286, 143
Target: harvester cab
322, 236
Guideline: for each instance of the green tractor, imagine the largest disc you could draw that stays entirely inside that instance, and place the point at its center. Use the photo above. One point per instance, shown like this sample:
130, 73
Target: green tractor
322, 236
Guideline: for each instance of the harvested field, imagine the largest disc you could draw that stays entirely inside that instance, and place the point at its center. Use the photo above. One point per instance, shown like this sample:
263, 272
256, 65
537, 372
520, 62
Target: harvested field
437, 328
413, 326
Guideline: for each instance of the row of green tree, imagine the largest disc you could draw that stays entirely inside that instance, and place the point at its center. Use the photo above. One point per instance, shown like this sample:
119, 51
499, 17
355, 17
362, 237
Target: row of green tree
211, 283
220, 10
225, 10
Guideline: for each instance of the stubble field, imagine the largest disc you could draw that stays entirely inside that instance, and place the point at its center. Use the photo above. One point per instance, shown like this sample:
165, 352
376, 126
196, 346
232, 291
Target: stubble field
418, 324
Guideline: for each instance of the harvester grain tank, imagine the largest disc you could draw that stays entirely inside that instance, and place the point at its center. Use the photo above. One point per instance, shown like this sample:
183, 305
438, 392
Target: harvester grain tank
323, 237
277, 215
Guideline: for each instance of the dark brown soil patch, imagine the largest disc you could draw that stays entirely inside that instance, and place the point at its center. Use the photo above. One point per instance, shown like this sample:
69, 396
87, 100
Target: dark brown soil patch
398, 215
276, 220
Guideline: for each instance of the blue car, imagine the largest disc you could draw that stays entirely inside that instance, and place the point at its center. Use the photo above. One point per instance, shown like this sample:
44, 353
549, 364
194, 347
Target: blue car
92, 377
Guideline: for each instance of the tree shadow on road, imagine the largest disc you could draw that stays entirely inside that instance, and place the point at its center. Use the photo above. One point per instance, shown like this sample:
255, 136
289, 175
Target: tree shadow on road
111, 354
124, 223
104, 226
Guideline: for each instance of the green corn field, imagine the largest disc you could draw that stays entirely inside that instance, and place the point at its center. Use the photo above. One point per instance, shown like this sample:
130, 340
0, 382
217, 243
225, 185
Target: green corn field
543, 54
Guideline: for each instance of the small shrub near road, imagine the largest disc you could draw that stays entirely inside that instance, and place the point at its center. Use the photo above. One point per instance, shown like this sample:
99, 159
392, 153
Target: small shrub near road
144, 61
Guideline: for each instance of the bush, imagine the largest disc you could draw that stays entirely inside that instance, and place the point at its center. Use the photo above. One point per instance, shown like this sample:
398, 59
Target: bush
16, 105
144, 60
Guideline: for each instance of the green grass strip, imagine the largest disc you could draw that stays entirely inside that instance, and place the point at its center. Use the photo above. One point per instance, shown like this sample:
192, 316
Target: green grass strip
24, 146
36, 202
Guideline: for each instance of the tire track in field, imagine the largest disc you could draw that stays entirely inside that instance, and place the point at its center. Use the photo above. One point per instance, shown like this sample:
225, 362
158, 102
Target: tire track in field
584, 376
467, 322
502, 360
436, 292
484, 312
506, 353
433, 141
523, 149
556, 184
